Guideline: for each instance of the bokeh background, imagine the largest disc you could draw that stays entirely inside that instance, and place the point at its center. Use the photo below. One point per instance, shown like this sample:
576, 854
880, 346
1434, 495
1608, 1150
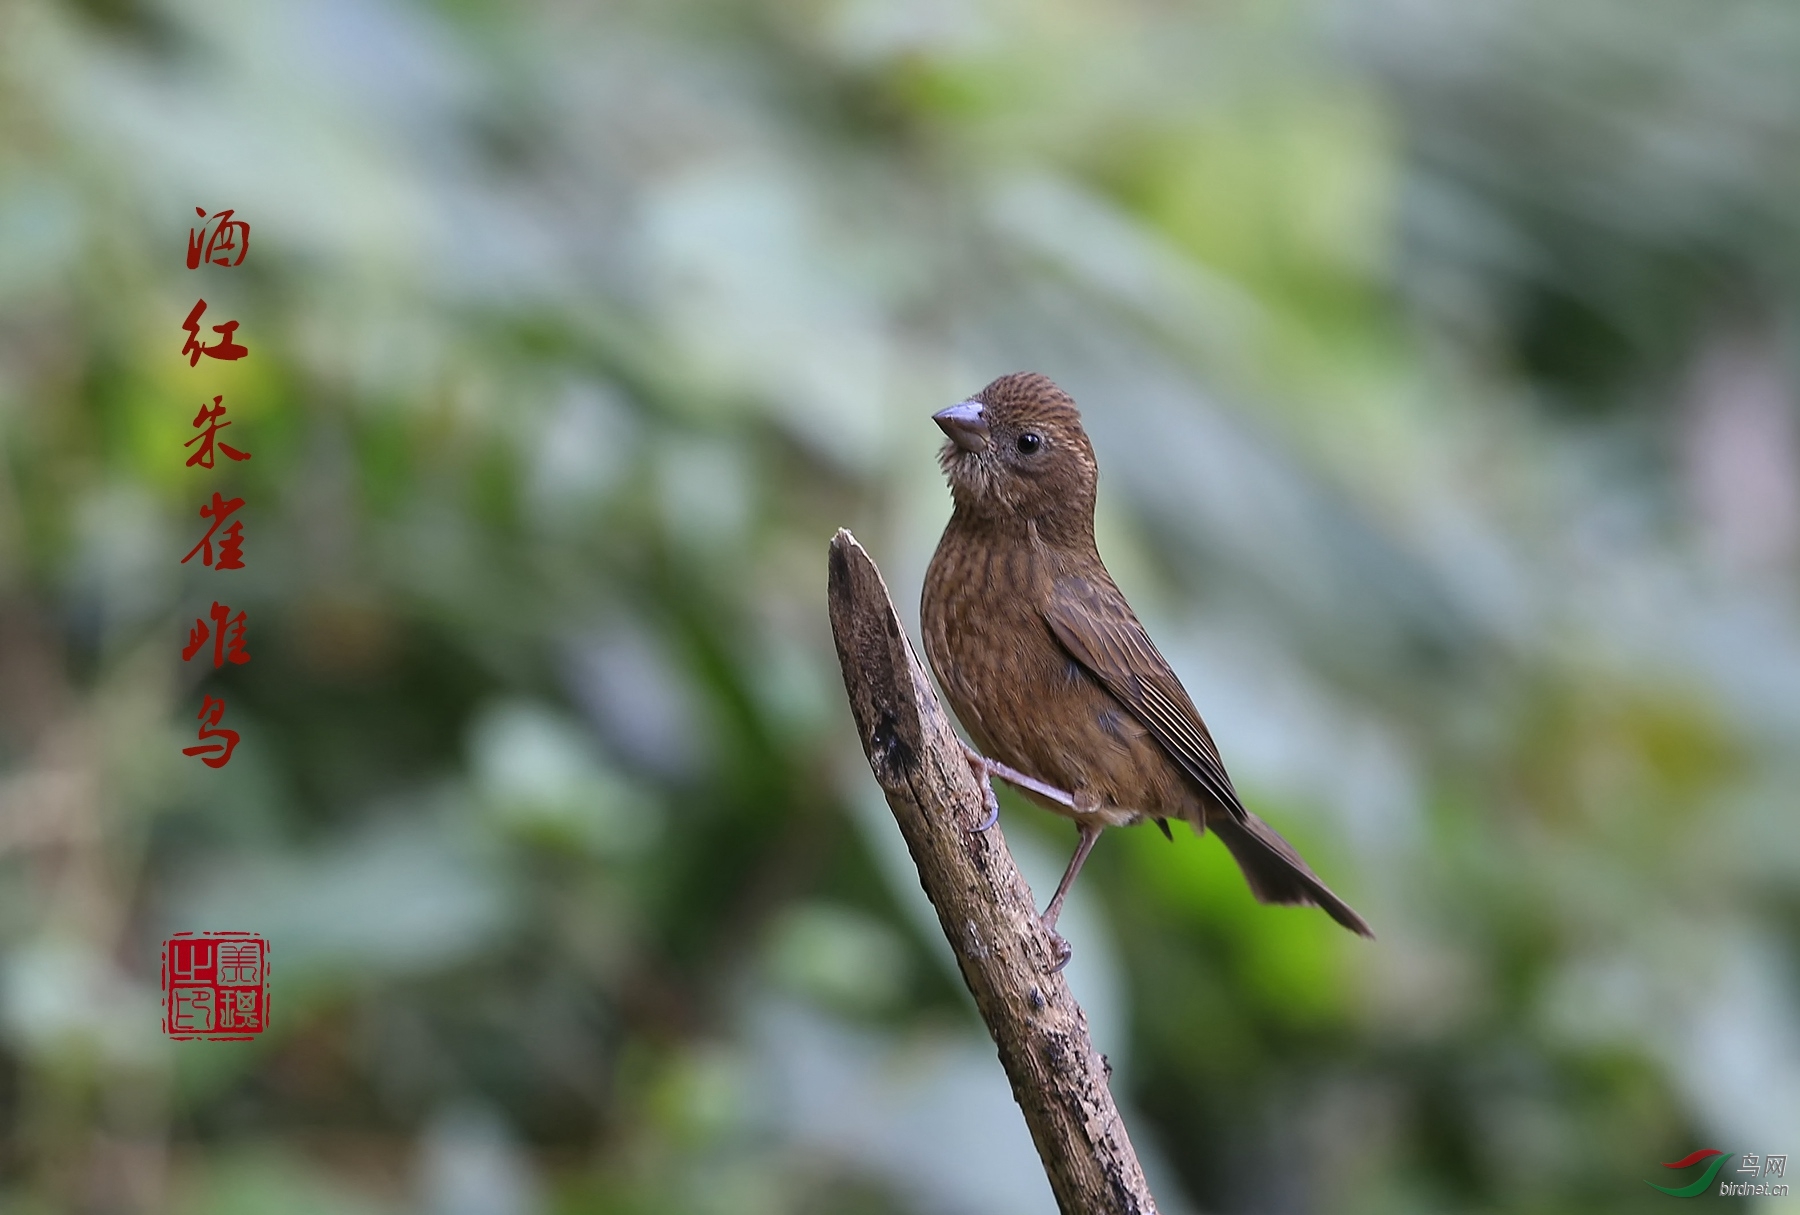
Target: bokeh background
1441, 358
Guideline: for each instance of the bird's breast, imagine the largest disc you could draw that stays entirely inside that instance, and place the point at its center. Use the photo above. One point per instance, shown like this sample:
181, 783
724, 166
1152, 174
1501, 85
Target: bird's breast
1020, 695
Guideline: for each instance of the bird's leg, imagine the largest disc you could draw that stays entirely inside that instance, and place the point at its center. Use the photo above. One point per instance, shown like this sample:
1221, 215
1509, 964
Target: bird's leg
1019, 780
1064, 951
986, 768
983, 768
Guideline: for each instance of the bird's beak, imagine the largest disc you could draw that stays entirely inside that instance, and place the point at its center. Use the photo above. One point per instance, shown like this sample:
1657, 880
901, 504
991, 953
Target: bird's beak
965, 425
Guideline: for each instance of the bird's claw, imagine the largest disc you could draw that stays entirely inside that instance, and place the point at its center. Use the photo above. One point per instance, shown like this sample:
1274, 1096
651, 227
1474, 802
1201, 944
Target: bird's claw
1064, 950
993, 811
986, 769
979, 764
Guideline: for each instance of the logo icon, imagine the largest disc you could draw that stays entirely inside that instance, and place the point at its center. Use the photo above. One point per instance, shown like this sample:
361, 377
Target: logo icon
1718, 1159
215, 986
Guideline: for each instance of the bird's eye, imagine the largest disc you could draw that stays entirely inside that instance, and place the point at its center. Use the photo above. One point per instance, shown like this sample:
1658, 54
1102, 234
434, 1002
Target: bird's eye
1029, 442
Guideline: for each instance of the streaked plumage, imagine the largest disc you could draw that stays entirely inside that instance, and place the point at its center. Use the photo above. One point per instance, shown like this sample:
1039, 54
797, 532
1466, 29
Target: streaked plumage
1043, 660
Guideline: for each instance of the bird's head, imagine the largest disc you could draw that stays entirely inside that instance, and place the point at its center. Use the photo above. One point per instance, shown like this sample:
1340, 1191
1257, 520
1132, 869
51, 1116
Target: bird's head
1017, 452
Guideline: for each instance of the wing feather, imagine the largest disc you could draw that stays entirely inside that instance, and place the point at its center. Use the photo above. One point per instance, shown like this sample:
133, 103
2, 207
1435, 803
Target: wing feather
1095, 624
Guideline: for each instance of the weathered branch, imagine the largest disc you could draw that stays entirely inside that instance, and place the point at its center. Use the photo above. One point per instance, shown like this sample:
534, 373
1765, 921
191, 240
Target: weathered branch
984, 905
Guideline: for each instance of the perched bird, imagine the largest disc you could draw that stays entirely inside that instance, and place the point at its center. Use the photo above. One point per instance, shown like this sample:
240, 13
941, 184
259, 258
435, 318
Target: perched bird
1046, 666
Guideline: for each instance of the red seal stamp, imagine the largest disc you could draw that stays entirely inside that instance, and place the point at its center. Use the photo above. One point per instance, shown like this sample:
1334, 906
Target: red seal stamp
215, 986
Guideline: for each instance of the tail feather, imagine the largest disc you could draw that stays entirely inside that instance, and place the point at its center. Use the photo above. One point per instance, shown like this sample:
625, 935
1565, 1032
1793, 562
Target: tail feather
1275, 871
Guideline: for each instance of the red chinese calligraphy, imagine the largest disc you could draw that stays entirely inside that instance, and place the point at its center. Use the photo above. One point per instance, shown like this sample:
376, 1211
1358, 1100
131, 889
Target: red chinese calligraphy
219, 240
217, 754
231, 544
209, 417
226, 347
222, 622
223, 236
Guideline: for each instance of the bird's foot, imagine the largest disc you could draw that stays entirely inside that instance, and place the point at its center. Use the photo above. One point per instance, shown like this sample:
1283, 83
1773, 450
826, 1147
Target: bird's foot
1090, 832
1060, 946
1019, 780
986, 768
983, 769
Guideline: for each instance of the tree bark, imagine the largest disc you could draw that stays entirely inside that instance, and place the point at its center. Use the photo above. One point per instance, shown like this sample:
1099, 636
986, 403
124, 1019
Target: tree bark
983, 904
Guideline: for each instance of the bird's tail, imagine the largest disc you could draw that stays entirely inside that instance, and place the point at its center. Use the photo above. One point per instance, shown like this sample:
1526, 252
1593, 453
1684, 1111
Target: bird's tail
1275, 871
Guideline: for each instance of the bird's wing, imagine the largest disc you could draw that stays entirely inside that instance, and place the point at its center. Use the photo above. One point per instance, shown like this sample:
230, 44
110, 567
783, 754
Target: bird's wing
1096, 626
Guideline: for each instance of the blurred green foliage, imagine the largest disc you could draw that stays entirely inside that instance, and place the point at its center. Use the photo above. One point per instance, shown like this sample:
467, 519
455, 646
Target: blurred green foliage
1441, 363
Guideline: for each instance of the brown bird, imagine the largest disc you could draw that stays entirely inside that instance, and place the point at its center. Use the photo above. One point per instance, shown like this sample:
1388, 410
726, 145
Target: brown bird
1047, 667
